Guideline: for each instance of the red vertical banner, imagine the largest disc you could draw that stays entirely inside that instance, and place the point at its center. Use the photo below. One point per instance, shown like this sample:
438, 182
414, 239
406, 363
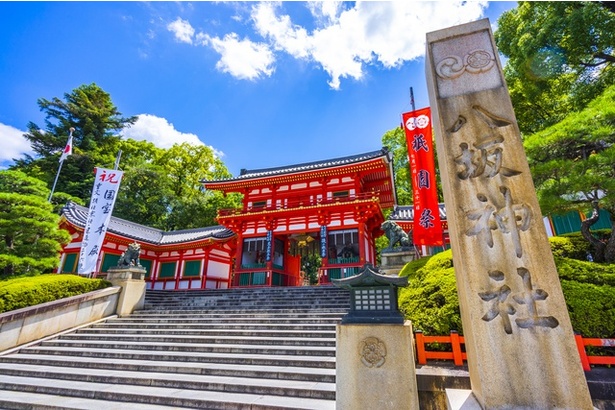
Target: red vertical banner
427, 227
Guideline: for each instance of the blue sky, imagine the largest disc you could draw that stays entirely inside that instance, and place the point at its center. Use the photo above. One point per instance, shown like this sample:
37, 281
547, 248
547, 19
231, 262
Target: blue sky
264, 84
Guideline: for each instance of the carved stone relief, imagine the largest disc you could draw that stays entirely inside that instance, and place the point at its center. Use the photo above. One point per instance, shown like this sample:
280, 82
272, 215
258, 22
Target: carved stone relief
373, 352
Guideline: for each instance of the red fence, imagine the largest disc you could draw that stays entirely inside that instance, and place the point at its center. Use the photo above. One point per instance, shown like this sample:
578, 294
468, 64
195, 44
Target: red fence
458, 356
586, 360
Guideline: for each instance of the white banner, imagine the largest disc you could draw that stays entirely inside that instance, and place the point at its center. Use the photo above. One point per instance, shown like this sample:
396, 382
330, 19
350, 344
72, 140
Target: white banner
104, 192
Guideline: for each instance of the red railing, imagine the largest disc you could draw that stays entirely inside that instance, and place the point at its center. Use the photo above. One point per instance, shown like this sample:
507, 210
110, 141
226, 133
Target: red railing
458, 356
586, 360
296, 203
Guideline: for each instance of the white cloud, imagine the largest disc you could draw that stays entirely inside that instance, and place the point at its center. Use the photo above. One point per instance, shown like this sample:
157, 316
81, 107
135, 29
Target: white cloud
243, 59
160, 132
14, 145
346, 38
182, 30
388, 33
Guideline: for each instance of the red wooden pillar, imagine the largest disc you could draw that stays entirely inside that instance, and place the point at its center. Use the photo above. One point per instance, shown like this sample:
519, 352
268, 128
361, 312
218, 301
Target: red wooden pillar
205, 264
238, 252
582, 352
360, 217
419, 342
269, 226
456, 345
178, 269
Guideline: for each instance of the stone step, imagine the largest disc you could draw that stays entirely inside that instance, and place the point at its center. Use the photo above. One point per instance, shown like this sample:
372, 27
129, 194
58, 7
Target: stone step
217, 325
245, 307
240, 319
249, 291
156, 315
221, 339
269, 348
274, 387
153, 310
187, 398
325, 375
16, 400
190, 348
214, 332
235, 358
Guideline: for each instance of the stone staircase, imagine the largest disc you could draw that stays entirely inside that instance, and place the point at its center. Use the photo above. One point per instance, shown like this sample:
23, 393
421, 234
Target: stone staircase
266, 348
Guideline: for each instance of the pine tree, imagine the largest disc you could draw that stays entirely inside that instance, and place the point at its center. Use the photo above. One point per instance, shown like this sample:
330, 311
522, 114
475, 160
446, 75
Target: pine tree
31, 239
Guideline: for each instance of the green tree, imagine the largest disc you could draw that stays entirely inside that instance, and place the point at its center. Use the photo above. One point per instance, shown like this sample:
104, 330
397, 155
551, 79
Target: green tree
31, 238
560, 57
161, 187
395, 141
97, 123
572, 165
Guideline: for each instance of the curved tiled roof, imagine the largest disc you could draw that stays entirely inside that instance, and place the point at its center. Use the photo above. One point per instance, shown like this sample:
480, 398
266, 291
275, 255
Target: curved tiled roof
77, 215
308, 166
406, 213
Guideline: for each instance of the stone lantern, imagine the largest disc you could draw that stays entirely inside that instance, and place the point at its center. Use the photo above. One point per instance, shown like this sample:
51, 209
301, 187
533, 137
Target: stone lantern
373, 296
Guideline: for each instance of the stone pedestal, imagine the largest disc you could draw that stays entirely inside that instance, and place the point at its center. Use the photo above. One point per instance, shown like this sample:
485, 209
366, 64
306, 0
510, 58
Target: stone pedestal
132, 281
518, 337
375, 367
391, 263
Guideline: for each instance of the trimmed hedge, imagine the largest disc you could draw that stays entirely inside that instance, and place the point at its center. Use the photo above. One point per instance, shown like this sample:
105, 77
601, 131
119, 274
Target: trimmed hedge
574, 246
430, 300
410, 268
591, 308
27, 291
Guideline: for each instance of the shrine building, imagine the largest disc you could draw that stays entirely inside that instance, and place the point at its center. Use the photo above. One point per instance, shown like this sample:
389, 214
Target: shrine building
331, 208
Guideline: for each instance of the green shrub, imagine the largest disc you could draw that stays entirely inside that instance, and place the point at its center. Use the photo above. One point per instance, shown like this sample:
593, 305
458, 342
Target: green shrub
585, 272
410, 268
430, 300
591, 308
563, 247
574, 245
27, 291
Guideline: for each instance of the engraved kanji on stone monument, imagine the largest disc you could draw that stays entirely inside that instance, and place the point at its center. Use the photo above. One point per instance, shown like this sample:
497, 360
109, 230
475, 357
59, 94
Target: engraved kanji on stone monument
500, 303
486, 156
518, 336
509, 218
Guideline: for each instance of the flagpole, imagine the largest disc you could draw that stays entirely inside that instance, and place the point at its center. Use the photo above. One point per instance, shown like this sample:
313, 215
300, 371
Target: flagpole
412, 99
53, 188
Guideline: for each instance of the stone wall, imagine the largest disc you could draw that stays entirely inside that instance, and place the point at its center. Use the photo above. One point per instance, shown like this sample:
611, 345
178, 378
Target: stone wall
28, 324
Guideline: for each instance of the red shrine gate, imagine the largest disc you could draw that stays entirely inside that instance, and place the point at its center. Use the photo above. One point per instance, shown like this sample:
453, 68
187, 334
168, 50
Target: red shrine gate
332, 208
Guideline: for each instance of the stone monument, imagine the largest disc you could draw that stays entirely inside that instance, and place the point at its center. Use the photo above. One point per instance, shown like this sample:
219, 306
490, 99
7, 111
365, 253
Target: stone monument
375, 351
518, 337
130, 275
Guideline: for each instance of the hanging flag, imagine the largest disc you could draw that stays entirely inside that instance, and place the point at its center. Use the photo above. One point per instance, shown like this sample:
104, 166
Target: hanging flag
68, 150
104, 193
427, 228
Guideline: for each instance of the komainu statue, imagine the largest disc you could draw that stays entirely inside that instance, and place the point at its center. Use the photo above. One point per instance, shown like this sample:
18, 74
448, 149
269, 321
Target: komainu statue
130, 257
395, 235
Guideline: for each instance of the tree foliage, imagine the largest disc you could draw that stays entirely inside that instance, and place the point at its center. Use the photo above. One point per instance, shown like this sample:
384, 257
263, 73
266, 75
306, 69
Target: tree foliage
97, 124
161, 187
573, 166
31, 238
560, 57
395, 141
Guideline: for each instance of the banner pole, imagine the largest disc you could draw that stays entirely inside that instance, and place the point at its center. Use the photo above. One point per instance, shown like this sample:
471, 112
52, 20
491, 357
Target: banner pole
53, 188
55, 181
